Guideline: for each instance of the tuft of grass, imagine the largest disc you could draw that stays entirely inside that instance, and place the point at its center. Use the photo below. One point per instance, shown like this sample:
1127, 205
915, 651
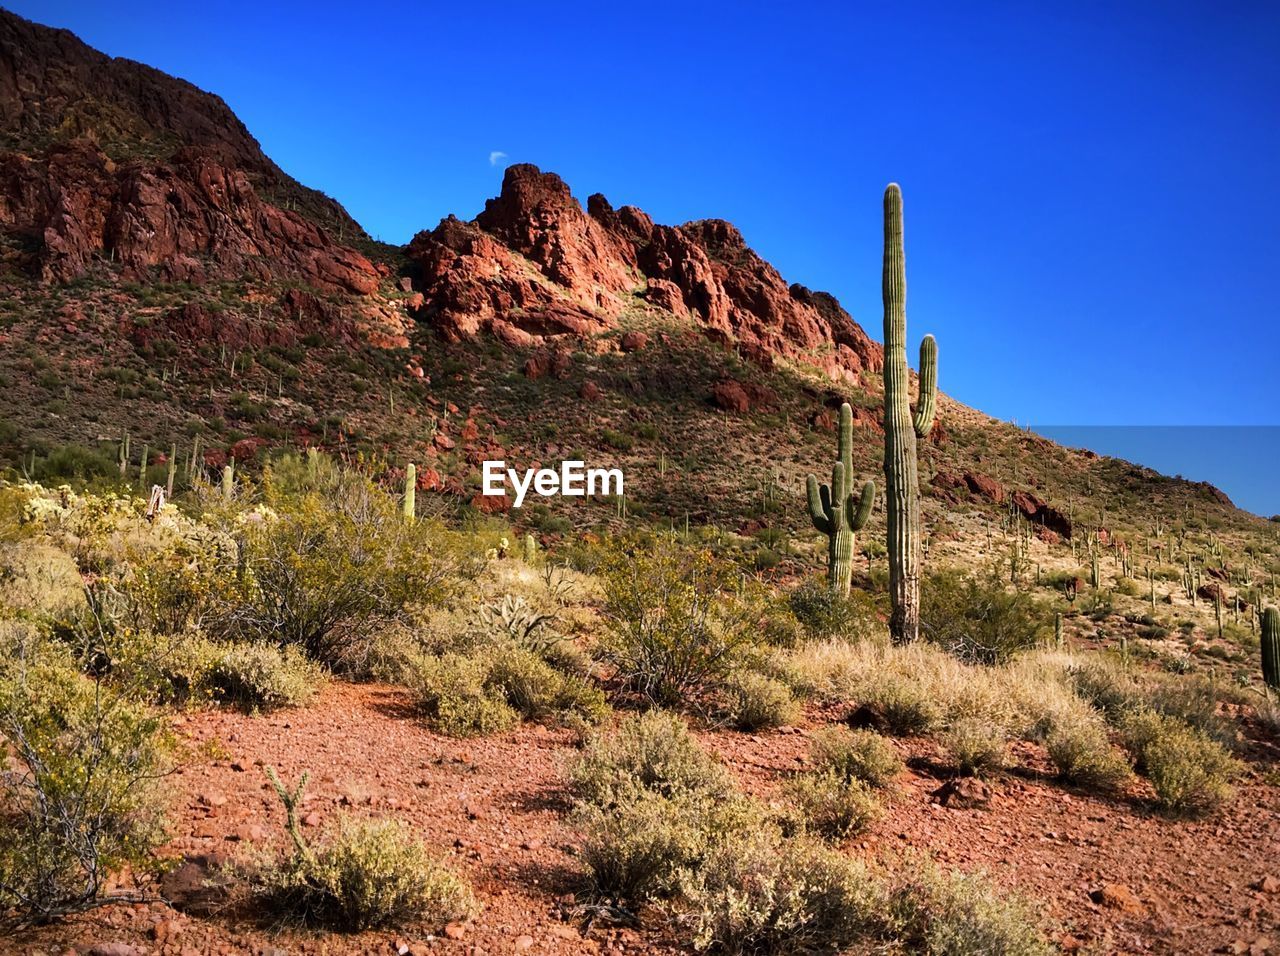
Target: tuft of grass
833, 805
651, 752
755, 701
861, 755
976, 747
368, 874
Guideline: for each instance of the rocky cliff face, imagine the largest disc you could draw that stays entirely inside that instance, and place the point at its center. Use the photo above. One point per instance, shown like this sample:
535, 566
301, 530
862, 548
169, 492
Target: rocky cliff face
108, 162
534, 264
107, 158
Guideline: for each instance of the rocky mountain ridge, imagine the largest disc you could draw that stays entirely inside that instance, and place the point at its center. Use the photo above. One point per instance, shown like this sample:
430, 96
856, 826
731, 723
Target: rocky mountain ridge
111, 162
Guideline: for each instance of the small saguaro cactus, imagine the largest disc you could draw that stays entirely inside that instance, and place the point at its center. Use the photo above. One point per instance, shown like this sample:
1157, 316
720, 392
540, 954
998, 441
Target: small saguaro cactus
410, 492
834, 509
173, 471
901, 429
228, 481
1271, 648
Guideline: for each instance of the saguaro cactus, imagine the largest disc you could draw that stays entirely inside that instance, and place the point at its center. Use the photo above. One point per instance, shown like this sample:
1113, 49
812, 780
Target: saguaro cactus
834, 509
902, 482
1271, 648
410, 493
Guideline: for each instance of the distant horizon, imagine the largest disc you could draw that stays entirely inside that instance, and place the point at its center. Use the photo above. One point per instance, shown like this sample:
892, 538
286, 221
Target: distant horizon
1073, 178
1243, 461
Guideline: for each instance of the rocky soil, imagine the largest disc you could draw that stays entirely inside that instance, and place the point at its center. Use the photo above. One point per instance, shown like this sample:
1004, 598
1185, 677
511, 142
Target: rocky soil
1111, 876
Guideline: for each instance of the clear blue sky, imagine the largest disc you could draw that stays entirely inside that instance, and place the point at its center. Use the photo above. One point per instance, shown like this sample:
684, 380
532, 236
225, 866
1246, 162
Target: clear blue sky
1092, 201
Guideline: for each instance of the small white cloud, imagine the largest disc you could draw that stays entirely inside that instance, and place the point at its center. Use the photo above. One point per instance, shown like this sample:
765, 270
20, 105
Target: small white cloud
496, 157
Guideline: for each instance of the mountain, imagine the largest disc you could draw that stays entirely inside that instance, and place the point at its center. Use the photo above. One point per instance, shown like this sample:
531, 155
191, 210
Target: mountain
165, 279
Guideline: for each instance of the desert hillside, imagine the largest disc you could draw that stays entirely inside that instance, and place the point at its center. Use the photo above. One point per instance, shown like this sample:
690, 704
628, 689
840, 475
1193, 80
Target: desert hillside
276, 675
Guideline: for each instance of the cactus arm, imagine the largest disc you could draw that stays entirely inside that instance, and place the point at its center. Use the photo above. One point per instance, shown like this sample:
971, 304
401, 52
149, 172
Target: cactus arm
845, 448
817, 512
926, 406
859, 511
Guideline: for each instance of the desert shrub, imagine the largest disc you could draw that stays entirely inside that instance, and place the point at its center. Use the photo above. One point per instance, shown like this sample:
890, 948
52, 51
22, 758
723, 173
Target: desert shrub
754, 701
637, 849
761, 894
325, 574
861, 755
825, 613
258, 677
905, 705
79, 786
1106, 684
451, 692
75, 462
1191, 772
1194, 700
940, 913
832, 804
976, 746
673, 630
652, 752
366, 874
977, 618
1079, 747
42, 580
163, 669
536, 689
906, 690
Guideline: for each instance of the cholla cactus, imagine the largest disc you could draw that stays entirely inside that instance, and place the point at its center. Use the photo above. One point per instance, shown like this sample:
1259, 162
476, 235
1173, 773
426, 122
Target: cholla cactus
836, 512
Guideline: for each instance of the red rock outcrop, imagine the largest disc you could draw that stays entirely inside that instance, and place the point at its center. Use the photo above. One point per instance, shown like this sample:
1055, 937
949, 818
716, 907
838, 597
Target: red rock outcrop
186, 220
534, 265
1042, 514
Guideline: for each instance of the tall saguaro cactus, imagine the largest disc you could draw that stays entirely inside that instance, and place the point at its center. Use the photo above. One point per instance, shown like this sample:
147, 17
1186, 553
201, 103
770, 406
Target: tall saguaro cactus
1271, 648
902, 481
834, 509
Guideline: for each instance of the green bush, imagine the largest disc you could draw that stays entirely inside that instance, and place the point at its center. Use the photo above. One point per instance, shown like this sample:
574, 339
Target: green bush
368, 874
937, 913
832, 804
256, 677
42, 580
673, 631
977, 618
861, 755
1079, 747
81, 799
326, 573
906, 705
637, 849
764, 895
825, 613
976, 746
1191, 772
754, 702
651, 752
536, 689
1106, 684
450, 690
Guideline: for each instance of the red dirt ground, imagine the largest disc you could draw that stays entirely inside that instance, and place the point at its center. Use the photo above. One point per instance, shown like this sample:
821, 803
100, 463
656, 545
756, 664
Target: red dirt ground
496, 807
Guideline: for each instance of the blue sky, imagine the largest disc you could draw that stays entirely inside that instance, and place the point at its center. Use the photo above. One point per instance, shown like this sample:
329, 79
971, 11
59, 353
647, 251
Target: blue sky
1092, 204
